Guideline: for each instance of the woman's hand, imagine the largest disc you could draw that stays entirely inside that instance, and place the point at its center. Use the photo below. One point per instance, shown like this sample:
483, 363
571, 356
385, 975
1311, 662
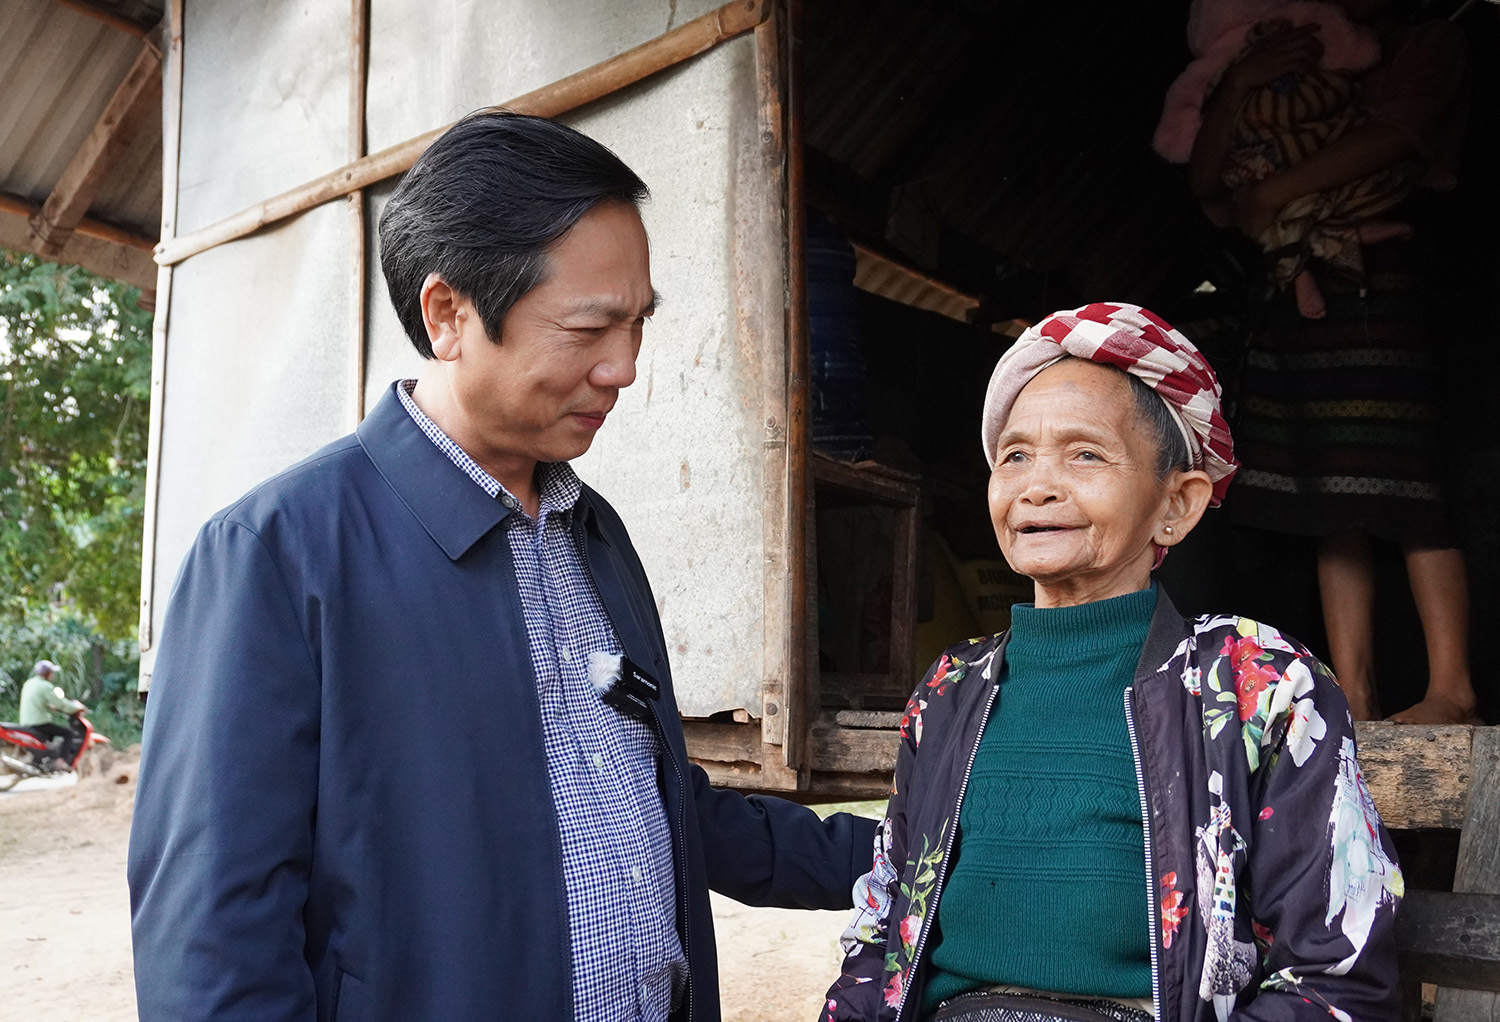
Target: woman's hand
1290, 51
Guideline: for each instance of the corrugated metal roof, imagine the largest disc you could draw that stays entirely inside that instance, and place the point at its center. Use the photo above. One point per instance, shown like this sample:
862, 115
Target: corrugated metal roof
58, 69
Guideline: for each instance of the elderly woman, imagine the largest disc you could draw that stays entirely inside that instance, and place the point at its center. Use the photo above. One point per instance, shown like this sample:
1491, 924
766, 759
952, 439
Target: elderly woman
1110, 812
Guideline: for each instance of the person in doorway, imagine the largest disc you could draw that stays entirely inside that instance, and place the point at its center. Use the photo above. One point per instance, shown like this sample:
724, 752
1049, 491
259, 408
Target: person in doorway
1105, 755
1343, 416
298, 852
1277, 124
45, 709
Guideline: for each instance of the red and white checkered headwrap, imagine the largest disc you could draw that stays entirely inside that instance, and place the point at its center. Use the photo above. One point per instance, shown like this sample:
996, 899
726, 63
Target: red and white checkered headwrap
1145, 346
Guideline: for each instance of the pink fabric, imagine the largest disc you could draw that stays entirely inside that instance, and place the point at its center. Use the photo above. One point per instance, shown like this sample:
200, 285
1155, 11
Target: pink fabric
1144, 345
1216, 35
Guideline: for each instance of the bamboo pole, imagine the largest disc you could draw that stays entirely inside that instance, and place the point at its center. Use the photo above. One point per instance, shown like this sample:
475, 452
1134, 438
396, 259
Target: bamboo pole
586, 86
170, 151
359, 53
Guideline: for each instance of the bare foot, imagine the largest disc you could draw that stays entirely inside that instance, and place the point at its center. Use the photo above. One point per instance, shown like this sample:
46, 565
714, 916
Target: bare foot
1436, 709
1372, 232
1309, 298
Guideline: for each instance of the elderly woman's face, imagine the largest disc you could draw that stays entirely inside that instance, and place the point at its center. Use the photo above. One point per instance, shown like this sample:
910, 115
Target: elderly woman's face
1074, 496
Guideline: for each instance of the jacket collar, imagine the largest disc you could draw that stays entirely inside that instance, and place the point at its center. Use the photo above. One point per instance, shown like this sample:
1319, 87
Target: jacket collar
452, 508
1162, 638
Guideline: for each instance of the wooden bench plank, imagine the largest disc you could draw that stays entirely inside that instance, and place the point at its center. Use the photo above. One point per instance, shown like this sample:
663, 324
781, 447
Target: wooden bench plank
1419, 776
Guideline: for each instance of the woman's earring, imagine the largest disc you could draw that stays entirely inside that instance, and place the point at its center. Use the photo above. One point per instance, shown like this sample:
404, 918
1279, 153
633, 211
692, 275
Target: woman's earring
1168, 530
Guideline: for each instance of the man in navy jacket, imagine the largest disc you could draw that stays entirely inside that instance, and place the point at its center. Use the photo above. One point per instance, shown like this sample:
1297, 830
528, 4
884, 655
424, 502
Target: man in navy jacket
377, 783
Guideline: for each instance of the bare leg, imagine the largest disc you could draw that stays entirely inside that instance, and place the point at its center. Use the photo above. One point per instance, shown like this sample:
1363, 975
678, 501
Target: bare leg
1441, 591
1346, 580
1309, 299
1372, 232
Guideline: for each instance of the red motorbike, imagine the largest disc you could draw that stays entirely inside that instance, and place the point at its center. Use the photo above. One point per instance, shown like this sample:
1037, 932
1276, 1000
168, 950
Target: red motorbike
49, 749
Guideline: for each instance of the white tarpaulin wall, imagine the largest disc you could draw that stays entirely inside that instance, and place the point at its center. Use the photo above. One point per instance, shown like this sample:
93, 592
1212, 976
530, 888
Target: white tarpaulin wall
259, 361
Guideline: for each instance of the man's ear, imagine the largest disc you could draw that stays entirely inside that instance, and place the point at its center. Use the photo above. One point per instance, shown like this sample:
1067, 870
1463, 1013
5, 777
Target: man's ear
1187, 497
443, 314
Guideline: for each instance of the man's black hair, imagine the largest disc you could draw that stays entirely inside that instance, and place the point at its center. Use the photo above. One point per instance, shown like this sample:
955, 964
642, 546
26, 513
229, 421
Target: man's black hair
482, 206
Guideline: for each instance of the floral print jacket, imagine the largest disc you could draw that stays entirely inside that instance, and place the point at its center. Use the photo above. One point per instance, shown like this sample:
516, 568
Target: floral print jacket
1272, 886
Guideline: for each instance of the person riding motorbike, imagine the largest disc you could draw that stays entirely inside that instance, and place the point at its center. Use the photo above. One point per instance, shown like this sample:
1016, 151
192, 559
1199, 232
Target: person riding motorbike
46, 709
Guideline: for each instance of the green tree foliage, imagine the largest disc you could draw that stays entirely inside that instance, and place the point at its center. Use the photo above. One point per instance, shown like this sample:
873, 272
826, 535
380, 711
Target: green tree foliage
75, 376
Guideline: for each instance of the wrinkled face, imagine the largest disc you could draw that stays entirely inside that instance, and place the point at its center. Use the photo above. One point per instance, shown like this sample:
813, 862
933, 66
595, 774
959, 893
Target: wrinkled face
568, 346
1074, 496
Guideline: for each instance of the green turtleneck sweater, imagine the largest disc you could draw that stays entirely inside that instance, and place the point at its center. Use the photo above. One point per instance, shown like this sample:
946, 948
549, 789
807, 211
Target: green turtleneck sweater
1047, 888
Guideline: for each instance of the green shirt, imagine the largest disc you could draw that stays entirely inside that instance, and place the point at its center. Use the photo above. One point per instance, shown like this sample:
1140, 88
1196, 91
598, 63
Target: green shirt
45, 703
1047, 889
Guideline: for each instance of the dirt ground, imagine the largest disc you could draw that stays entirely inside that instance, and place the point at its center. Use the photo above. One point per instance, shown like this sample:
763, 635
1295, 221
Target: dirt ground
65, 917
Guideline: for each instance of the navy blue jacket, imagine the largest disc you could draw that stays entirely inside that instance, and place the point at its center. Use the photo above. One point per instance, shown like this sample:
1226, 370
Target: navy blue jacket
343, 810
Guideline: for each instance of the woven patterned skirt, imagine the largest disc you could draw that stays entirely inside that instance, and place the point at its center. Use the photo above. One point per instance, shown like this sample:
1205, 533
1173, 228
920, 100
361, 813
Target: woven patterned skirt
1338, 420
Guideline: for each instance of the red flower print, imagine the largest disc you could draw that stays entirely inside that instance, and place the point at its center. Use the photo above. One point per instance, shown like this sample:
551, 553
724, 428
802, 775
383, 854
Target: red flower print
1240, 651
1249, 682
893, 989
913, 712
911, 927
1263, 935
1250, 676
942, 671
1173, 911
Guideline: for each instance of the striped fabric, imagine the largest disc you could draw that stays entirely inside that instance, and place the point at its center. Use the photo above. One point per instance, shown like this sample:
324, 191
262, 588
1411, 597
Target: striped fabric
1145, 346
1339, 421
1282, 124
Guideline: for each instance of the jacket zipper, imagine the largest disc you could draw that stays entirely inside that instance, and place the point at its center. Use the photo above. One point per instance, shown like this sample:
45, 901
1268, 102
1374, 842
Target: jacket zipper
1140, 785
684, 907
937, 890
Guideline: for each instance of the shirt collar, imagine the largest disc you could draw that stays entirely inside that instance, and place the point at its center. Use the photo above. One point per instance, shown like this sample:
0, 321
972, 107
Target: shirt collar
558, 485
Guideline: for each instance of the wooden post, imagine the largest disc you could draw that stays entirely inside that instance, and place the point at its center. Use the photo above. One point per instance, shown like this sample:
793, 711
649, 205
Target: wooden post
801, 693
359, 56
760, 282
1478, 869
602, 79
171, 146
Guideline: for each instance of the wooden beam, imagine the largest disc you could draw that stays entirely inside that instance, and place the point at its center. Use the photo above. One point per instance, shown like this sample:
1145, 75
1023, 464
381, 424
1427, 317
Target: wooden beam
1420, 777
137, 99
99, 248
106, 17
586, 86
1451, 939
89, 227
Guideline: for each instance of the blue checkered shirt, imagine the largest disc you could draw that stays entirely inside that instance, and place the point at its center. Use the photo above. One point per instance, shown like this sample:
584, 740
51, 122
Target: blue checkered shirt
628, 964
